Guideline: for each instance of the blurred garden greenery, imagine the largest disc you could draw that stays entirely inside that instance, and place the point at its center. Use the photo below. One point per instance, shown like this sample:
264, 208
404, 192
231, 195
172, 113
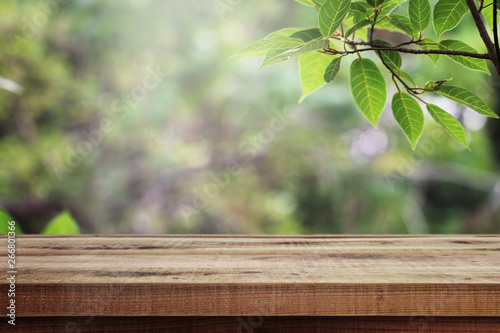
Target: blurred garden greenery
132, 118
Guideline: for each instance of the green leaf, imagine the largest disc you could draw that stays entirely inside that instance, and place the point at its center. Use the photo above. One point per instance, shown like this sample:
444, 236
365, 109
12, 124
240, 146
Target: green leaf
391, 58
312, 68
307, 34
284, 45
332, 70
368, 89
409, 116
267, 43
448, 122
311, 46
467, 98
62, 224
375, 3
389, 6
331, 15
260, 47
285, 32
358, 11
5, 218
472, 63
276, 55
431, 45
419, 12
448, 14
407, 78
402, 23
357, 26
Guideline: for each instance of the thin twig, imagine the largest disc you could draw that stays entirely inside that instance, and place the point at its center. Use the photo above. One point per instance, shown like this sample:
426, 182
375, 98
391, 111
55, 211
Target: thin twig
395, 75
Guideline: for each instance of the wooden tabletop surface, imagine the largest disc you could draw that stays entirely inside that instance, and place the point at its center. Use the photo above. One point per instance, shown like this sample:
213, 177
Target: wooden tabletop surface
227, 275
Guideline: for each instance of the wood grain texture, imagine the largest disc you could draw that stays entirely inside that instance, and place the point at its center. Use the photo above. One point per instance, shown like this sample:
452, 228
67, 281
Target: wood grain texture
257, 325
256, 275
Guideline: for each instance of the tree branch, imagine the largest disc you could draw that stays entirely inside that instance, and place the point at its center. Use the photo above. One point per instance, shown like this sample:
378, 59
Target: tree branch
484, 34
495, 30
405, 50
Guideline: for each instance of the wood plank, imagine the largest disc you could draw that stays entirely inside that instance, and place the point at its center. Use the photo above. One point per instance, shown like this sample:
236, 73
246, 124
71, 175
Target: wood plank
257, 324
337, 275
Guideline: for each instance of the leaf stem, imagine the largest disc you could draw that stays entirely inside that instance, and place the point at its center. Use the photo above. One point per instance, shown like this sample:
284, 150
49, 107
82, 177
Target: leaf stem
395, 83
395, 75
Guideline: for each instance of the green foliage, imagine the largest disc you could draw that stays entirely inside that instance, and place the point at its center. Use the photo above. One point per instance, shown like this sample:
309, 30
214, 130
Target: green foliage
331, 15
307, 34
449, 123
269, 43
390, 58
5, 218
375, 3
402, 23
429, 44
336, 35
62, 224
420, 14
283, 51
332, 70
165, 150
368, 89
488, 13
358, 11
356, 27
467, 98
448, 14
312, 68
389, 6
406, 77
472, 63
409, 116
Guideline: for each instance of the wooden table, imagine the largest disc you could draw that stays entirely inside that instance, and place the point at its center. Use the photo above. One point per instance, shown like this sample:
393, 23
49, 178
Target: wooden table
228, 283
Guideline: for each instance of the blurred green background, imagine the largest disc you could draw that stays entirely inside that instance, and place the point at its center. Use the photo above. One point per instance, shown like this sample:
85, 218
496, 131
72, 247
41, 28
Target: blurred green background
133, 118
